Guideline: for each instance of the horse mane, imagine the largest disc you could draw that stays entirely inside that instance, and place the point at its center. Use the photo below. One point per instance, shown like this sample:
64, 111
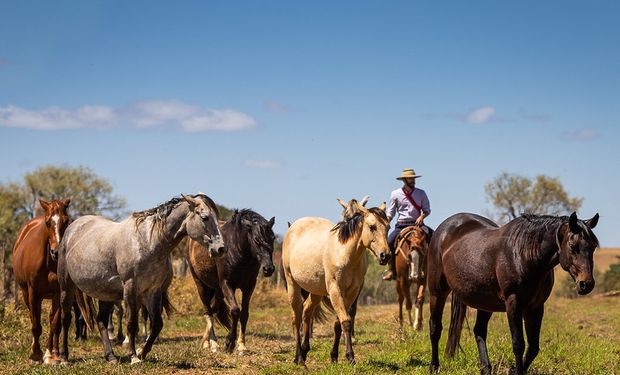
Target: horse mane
526, 233
161, 212
236, 221
349, 226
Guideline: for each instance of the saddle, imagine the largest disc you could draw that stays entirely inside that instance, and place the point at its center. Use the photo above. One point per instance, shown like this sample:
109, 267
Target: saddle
415, 257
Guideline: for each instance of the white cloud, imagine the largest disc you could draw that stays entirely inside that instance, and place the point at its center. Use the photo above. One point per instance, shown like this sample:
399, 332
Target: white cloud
585, 134
144, 114
262, 164
480, 115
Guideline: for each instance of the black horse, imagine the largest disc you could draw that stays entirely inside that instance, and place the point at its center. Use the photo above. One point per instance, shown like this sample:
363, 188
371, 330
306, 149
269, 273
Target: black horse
508, 268
249, 239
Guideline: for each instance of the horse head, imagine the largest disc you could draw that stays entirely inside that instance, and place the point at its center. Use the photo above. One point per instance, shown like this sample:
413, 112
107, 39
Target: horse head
202, 225
374, 226
56, 220
261, 239
576, 250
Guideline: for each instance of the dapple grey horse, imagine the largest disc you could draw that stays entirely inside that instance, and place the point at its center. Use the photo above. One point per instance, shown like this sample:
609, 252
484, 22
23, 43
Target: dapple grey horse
130, 260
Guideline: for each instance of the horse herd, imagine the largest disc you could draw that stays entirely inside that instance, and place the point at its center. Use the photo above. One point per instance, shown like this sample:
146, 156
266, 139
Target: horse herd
486, 267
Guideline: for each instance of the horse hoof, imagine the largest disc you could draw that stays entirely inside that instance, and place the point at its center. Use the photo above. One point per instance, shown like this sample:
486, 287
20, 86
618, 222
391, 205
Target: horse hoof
112, 359
135, 360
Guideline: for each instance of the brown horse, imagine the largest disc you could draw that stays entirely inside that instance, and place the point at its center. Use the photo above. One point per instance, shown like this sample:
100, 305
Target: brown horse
35, 272
412, 246
508, 268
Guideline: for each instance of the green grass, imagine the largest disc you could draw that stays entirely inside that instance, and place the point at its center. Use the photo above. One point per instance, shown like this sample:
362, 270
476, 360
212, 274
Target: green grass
580, 336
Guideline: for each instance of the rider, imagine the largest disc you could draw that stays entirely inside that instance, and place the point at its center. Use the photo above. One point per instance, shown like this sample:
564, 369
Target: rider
412, 206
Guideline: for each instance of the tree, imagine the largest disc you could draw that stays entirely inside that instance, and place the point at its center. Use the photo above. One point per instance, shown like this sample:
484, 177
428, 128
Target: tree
89, 194
513, 195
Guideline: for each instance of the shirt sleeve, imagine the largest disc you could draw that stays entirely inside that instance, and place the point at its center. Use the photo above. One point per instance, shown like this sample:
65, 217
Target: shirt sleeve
426, 204
391, 211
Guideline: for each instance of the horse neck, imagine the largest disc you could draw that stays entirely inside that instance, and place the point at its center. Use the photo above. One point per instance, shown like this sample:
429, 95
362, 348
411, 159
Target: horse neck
239, 245
353, 249
165, 240
549, 252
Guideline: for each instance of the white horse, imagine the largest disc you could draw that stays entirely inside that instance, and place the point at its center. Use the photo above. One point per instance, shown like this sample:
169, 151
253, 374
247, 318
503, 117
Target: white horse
130, 260
329, 260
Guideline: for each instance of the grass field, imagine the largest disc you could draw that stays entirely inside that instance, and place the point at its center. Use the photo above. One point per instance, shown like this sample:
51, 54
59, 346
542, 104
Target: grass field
580, 336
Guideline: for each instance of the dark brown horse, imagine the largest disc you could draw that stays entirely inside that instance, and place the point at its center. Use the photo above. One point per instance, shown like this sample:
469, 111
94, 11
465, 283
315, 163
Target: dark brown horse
411, 250
249, 239
34, 264
508, 268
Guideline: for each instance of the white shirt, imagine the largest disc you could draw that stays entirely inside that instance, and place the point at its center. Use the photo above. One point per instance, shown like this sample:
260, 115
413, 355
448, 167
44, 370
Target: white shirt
407, 211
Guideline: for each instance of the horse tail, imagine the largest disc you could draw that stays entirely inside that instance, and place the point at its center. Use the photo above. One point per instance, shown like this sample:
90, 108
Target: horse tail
167, 305
222, 311
457, 316
87, 309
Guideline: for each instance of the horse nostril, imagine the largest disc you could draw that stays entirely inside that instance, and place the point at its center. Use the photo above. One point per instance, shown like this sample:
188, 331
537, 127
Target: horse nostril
221, 250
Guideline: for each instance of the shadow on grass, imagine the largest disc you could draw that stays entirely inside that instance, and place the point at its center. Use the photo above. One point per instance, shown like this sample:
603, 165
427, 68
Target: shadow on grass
390, 366
271, 336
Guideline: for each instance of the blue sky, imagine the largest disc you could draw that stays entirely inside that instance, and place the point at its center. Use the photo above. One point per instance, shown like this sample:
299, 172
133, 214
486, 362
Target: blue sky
285, 106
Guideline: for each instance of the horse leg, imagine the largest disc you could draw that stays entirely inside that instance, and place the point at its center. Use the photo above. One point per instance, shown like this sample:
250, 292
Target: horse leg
345, 320
111, 324
480, 332
34, 306
131, 303
229, 294
307, 315
337, 333
437, 303
209, 340
154, 310
514, 312
401, 298
419, 305
67, 295
102, 323
52, 342
243, 318
296, 301
120, 338
408, 302
353, 313
533, 323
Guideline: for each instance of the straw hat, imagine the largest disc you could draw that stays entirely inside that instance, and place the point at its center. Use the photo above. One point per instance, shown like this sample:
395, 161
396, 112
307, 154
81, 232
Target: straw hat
408, 173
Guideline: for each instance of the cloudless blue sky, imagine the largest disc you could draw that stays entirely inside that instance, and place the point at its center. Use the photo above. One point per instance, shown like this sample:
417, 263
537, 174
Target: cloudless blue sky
284, 106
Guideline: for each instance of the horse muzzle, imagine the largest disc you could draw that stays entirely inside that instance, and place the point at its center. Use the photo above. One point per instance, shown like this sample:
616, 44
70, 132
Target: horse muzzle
268, 270
384, 258
585, 286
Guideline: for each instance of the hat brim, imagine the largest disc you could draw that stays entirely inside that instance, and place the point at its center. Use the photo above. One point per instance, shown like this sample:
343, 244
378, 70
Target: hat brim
402, 178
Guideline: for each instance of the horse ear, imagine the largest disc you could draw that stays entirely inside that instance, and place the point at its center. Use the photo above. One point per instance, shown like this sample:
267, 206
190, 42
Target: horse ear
382, 207
364, 200
592, 222
572, 223
272, 221
344, 205
189, 199
45, 205
66, 202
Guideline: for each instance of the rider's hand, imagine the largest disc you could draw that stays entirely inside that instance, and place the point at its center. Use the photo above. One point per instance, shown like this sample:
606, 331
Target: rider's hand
419, 221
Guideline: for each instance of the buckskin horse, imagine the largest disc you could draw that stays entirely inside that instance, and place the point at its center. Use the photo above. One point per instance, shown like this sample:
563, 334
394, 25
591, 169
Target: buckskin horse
34, 265
249, 239
130, 260
508, 268
411, 250
329, 260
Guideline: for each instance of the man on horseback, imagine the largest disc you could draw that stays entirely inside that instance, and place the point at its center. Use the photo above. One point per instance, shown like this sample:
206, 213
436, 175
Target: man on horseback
412, 206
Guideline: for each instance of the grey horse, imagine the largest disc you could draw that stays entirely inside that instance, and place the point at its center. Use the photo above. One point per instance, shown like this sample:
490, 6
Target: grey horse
129, 260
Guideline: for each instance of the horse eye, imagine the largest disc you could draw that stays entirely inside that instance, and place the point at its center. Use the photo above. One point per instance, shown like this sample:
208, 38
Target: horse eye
373, 228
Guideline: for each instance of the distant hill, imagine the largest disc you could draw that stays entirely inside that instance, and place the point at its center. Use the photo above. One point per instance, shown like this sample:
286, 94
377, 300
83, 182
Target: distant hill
605, 257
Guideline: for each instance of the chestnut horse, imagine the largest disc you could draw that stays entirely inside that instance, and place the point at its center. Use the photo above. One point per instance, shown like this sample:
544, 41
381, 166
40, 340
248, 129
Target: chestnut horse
508, 268
35, 265
329, 260
412, 246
